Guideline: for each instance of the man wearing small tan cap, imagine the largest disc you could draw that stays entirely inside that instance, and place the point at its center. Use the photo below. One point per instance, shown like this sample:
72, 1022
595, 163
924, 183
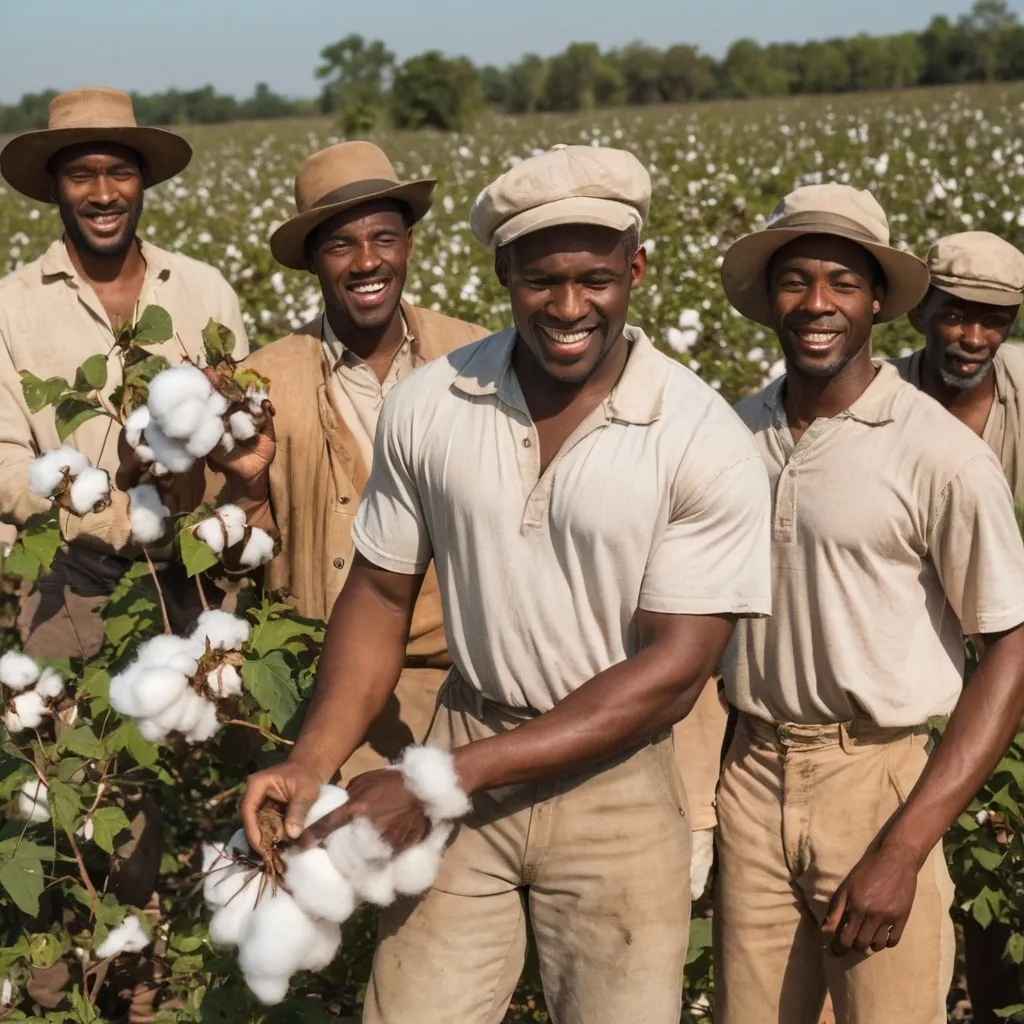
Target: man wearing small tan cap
304, 476
598, 520
893, 533
94, 163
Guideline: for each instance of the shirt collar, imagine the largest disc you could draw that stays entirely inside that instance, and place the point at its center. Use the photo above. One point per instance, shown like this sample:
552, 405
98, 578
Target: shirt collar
340, 351
56, 261
637, 397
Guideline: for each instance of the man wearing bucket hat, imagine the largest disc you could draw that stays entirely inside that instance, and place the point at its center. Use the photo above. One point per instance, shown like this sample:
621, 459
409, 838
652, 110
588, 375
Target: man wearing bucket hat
354, 229
93, 162
598, 519
893, 532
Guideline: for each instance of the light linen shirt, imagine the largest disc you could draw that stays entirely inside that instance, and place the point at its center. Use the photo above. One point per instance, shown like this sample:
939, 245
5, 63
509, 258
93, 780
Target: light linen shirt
893, 530
657, 501
50, 322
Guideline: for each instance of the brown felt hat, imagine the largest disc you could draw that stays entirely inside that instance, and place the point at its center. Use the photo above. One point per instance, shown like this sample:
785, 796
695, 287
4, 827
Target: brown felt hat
93, 114
336, 179
979, 267
830, 209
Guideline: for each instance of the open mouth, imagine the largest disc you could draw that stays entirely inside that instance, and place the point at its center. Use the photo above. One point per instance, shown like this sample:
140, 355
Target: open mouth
368, 293
106, 223
817, 339
569, 342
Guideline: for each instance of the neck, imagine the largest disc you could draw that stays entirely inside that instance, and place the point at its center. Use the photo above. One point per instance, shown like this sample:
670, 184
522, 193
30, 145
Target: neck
959, 401
100, 269
811, 398
370, 345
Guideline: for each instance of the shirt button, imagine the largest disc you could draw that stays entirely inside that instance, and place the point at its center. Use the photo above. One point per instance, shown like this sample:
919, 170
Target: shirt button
343, 499
527, 442
339, 563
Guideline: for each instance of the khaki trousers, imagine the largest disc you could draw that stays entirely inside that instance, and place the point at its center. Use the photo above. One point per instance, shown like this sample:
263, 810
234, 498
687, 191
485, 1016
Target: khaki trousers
798, 806
698, 741
598, 860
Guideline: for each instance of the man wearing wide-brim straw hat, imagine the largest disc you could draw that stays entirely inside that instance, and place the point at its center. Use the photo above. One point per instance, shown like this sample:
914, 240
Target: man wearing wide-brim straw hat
353, 228
93, 162
893, 534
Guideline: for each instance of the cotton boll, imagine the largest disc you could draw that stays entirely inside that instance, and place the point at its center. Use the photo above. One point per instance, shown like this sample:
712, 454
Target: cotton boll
183, 422
227, 442
47, 472
157, 688
324, 947
216, 860
167, 451
127, 937
32, 805
211, 533
148, 514
234, 522
258, 550
359, 854
172, 388
206, 436
152, 730
135, 425
177, 652
90, 491
17, 670
27, 711
430, 777
316, 886
223, 631
224, 681
255, 397
242, 425
186, 714
217, 405
50, 685
269, 989
231, 921
415, 869
330, 799
207, 726
122, 692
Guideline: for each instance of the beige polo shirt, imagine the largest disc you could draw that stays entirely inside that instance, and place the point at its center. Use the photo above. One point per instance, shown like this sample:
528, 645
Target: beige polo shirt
657, 501
892, 531
356, 393
50, 322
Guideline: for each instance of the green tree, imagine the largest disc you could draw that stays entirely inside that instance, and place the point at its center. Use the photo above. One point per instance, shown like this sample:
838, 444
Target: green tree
984, 27
582, 78
525, 84
640, 68
356, 75
684, 74
748, 71
944, 53
432, 91
493, 82
824, 67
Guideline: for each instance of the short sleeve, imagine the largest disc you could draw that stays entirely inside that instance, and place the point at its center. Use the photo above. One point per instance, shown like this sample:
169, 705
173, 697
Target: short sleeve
389, 529
714, 555
976, 548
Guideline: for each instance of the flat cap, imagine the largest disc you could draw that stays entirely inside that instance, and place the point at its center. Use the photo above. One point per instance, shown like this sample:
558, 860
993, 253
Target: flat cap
979, 267
566, 185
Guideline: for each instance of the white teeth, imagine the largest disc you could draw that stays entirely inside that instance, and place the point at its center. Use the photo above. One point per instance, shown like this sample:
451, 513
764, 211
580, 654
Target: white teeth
818, 339
562, 338
369, 289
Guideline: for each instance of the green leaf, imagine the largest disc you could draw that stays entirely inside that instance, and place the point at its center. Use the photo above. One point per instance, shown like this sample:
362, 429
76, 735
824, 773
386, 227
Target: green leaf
153, 326
82, 741
143, 370
246, 378
144, 752
21, 874
700, 937
278, 633
196, 556
65, 804
988, 859
1015, 948
1015, 1012
40, 536
72, 412
44, 950
69, 767
92, 374
187, 964
84, 1012
987, 905
218, 342
107, 824
40, 393
269, 680
186, 943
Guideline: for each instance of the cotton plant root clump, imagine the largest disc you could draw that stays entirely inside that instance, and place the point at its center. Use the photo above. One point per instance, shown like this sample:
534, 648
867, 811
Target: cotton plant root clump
175, 683
29, 692
284, 910
228, 527
66, 477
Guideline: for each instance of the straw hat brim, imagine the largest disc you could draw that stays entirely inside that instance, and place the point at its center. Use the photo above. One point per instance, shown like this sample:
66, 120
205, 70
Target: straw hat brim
288, 242
23, 160
745, 266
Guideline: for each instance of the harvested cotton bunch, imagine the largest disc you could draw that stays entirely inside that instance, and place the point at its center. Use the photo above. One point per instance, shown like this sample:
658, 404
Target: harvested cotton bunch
32, 803
18, 671
127, 937
33, 692
228, 528
148, 514
66, 477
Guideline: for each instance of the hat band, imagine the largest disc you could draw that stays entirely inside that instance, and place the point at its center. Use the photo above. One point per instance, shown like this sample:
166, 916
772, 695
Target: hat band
816, 222
354, 190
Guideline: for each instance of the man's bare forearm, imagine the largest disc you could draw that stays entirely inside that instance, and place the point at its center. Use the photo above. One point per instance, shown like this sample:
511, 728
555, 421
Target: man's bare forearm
977, 736
640, 697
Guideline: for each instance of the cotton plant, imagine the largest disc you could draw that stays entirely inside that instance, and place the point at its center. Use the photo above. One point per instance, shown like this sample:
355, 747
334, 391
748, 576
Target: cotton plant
66, 477
283, 911
227, 528
30, 692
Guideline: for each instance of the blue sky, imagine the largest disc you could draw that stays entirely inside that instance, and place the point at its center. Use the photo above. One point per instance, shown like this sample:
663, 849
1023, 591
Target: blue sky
152, 45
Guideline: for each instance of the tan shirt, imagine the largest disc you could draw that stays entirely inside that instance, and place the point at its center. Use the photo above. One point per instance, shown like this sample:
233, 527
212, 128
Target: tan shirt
657, 501
356, 392
51, 322
1004, 428
893, 530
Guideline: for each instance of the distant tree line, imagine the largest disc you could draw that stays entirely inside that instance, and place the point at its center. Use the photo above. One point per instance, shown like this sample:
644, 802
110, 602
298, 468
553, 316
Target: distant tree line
364, 86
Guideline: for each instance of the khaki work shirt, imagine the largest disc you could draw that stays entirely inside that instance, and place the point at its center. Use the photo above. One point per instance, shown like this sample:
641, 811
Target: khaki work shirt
1004, 428
51, 322
657, 501
893, 533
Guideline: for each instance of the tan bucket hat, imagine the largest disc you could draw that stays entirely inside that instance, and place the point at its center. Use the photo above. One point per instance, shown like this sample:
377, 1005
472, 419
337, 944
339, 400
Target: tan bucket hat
94, 114
822, 210
336, 179
979, 267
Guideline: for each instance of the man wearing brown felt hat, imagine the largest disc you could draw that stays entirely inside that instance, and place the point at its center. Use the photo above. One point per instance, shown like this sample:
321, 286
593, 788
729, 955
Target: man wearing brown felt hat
94, 163
303, 479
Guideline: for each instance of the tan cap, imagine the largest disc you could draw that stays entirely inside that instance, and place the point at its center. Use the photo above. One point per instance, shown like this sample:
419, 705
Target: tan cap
821, 210
979, 267
566, 185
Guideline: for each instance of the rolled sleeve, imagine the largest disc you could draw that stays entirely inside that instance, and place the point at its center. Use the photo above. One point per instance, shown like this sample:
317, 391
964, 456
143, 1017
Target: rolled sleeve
714, 556
390, 529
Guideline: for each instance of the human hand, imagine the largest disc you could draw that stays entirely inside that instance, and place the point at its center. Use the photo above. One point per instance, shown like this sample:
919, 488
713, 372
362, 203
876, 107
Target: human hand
293, 784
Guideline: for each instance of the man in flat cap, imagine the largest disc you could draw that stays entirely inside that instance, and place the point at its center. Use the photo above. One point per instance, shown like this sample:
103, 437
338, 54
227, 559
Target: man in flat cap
94, 163
893, 533
304, 476
598, 520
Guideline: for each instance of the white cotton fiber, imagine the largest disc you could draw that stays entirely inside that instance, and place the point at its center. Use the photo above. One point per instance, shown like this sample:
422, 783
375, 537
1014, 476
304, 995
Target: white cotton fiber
269, 989
259, 549
230, 921
207, 726
430, 777
224, 631
234, 522
185, 714
170, 389
128, 937
316, 886
206, 436
17, 670
224, 681
90, 491
32, 805
227, 442
211, 533
177, 652
157, 688
323, 947
242, 426
255, 397
27, 711
185, 420
330, 799
358, 852
225, 528
148, 514
46, 473
414, 870
136, 424
167, 451
702, 853
50, 685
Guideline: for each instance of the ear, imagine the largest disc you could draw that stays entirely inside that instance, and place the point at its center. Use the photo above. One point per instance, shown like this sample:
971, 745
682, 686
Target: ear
876, 305
410, 241
51, 187
501, 267
916, 318
638, 267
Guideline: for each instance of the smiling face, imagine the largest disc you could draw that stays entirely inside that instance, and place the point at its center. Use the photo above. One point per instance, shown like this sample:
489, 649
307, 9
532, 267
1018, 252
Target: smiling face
98, 188
825, 294
569, 287
961, 337
361, 257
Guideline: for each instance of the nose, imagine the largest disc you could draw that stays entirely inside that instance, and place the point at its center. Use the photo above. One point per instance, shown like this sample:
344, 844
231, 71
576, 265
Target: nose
818, 299
367, 258
104, 191
568, 304
972, 337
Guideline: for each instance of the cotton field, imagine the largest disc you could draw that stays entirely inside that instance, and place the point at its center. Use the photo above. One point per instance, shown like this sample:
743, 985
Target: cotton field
939, 161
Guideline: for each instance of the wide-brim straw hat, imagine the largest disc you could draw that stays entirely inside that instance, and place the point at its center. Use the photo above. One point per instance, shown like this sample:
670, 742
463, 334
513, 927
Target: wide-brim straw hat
94, 114
832, 209
336, 179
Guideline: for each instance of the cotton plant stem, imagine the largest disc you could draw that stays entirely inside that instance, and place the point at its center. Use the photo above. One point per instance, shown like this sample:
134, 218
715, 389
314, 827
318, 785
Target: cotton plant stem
82, 870
202, 593
108, 408
159, 593
266, 733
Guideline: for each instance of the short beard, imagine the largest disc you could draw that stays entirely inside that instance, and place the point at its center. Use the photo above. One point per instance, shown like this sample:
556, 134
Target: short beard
119, 247
956, 382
